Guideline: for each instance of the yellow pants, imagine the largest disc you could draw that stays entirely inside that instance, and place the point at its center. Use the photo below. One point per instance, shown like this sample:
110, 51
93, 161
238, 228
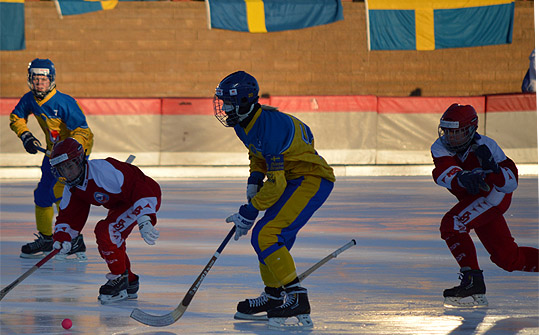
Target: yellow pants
275, 233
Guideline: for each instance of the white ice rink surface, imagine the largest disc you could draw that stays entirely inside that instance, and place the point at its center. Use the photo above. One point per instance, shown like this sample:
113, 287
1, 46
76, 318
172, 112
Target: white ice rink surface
390, 283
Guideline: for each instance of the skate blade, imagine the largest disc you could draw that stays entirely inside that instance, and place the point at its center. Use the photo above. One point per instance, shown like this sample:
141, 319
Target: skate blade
479, 301
107, 299
251, 317
34, 256
76, 257
132, 296
303, 322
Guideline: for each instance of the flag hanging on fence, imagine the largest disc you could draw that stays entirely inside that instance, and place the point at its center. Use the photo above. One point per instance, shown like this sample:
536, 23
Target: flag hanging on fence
12, 25
438, 24
74, 7
262, 16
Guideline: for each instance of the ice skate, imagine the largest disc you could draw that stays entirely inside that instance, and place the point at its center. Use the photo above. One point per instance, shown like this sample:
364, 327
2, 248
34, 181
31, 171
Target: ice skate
40, 248
78, 249
132, 288
115, 289
296, 305
472, 285
256, 309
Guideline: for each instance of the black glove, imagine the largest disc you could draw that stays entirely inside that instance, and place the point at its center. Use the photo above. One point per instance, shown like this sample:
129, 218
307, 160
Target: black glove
483, 154
472, 181
30, 142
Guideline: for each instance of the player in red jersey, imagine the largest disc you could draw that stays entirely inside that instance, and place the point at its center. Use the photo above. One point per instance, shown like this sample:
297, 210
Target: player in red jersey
131, 198
475, 169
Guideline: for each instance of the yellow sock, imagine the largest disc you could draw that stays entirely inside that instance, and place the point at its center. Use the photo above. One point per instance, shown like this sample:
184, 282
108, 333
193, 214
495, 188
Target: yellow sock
44, 217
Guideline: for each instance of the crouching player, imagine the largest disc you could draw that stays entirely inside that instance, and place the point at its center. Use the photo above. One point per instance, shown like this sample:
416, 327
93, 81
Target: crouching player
131, 198
475, 169
298, 182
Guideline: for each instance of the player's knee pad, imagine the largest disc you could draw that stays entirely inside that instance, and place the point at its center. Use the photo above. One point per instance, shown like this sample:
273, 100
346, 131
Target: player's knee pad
43, 198
102, 236
447, 229
281, 265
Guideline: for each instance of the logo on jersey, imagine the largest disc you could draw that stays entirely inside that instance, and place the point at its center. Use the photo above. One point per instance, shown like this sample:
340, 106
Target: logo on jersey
275, 162
54, 135
101, 197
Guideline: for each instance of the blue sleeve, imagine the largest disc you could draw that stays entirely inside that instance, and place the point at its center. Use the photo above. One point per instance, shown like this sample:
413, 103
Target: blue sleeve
22, 109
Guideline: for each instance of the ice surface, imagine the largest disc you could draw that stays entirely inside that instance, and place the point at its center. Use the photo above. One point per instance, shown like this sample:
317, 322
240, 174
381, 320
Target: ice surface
390, 283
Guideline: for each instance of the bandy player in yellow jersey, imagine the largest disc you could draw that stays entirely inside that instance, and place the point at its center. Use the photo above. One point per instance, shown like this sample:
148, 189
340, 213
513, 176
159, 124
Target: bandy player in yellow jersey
297, 182
60, 117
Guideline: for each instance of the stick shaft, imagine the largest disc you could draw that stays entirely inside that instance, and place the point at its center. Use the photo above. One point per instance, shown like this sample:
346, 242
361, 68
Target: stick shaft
170, 318
17, 281
130, 159
194, 288
334, 254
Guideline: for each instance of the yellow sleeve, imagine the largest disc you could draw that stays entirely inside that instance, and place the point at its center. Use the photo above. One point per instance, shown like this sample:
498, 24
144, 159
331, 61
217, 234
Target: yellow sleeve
85, 137
272, 190
256, 164
17, 124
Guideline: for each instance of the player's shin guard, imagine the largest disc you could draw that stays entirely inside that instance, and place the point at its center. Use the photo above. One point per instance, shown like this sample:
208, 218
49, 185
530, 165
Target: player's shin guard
281, 265
44, 216
463, 249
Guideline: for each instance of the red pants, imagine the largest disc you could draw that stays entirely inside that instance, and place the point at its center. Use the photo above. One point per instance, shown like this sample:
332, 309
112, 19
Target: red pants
485, 216
112, 231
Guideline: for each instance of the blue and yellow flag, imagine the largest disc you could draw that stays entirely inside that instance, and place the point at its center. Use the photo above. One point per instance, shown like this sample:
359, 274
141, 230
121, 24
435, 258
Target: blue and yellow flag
74, 7
12, 25
262, 16
438, 24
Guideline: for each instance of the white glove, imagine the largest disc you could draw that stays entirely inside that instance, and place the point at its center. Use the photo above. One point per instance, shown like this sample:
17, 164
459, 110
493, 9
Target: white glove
147, 230
64, 247
242, 225
252, 190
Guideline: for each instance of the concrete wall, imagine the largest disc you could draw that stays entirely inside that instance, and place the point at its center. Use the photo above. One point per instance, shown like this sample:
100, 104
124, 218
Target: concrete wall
348, 130
164, 49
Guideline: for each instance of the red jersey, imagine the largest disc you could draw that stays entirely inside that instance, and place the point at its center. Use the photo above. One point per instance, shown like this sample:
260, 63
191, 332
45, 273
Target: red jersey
115, 185
448, 163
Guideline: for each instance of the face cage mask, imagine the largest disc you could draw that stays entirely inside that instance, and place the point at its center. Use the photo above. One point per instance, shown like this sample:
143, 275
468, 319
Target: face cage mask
229, 112
78, 179
38, 94
457, 139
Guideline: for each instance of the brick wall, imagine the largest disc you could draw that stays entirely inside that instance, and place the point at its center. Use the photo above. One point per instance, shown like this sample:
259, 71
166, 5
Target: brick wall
164, 49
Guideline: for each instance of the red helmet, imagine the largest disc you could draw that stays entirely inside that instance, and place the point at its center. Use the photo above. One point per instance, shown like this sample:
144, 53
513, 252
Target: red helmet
457, 127
68, 161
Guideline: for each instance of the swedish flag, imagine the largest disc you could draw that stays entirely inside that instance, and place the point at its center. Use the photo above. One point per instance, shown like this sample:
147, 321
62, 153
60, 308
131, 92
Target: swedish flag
262, 16
438, 24
12, 25
73, 7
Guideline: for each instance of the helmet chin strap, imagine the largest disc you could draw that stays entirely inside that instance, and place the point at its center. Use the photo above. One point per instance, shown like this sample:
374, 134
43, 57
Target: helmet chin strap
243, 116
